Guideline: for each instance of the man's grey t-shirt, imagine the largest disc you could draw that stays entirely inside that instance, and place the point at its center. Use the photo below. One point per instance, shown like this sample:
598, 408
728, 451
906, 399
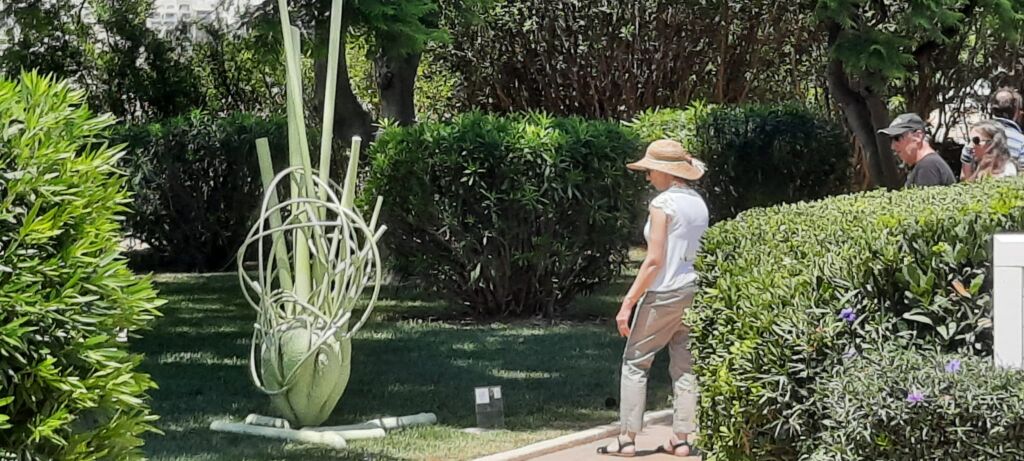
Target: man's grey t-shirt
931, 170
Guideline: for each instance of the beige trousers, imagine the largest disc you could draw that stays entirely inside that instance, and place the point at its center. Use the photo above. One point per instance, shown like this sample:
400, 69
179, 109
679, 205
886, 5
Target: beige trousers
658, 323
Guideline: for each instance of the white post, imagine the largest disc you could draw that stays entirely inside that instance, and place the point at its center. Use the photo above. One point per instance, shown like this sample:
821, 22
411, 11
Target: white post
1008, 299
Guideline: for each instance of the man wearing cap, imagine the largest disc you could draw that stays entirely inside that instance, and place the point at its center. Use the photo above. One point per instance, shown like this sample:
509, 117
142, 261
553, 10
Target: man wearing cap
907, 139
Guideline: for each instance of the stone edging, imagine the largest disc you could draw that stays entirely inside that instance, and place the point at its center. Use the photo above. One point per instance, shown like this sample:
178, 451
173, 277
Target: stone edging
572, 440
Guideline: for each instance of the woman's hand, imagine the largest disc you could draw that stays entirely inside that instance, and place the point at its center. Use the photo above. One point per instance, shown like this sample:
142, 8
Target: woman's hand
648, 271
622, 318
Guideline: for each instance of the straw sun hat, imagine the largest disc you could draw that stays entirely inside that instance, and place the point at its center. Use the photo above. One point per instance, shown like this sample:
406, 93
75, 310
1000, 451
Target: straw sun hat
670, 157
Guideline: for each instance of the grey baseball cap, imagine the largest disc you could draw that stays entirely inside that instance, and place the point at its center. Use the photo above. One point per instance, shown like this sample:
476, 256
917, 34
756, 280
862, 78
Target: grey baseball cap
902, 124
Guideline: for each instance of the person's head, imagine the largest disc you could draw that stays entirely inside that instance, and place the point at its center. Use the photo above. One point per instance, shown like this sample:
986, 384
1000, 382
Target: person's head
988, 143
1006, 103
666, 162
988, 137
907, 138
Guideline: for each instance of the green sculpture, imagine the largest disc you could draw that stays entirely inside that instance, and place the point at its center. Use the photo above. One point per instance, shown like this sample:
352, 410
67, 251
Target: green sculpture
316, 255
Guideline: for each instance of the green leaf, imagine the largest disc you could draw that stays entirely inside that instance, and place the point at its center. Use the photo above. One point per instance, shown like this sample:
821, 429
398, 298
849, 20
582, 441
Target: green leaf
917, 318
947, 331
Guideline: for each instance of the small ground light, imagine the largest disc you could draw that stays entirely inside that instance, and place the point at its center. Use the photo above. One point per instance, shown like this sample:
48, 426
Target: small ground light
490, 407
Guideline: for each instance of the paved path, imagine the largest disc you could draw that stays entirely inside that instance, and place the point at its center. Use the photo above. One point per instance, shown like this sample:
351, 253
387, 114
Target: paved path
652, 436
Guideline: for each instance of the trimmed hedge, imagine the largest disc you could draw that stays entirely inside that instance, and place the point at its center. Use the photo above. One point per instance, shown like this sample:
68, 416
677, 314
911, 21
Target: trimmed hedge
510, 215
907, 405
202, 170
68, 390
196, 185
757, 155
780, 286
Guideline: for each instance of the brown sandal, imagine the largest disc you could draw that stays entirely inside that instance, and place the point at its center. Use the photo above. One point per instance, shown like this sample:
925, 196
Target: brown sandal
692, 450
605, 451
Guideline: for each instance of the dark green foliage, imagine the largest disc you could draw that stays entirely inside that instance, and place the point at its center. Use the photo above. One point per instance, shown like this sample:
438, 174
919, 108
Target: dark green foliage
403, 26
47, 38
104, 47
234, 72
196, 184
968, 409
137, 74
912, 266
607, 58
655, 124
757, 155
890, 46
510, 215
68, 391
762, 155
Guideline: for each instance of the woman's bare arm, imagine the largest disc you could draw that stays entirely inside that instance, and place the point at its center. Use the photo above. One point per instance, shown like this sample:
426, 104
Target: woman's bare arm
653, 262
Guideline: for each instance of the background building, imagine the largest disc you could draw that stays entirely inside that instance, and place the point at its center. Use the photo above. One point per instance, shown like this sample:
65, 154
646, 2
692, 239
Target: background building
169, 14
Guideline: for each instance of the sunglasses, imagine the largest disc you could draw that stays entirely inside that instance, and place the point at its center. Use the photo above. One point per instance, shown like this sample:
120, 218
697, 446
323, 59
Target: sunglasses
980, 142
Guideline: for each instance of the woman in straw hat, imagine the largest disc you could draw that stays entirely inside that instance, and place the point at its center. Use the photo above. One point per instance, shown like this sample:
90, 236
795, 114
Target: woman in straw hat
663, 289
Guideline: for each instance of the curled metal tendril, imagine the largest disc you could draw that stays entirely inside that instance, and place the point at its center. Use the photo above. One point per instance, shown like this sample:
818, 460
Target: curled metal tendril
343, 260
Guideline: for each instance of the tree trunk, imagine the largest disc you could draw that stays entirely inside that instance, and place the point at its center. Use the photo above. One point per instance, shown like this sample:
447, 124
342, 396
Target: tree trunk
396, 84
350, 117
865, 113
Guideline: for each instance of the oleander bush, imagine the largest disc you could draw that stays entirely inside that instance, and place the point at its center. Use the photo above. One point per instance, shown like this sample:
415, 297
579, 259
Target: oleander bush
196, 185
68, 389
510, 215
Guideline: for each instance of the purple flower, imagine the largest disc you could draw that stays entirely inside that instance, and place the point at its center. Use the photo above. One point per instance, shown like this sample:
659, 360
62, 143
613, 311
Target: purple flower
848, 314
953, 366
915, 397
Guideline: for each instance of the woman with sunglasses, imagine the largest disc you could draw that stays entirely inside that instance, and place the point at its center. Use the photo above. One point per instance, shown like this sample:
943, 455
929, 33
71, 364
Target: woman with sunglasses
662, 291
991, 156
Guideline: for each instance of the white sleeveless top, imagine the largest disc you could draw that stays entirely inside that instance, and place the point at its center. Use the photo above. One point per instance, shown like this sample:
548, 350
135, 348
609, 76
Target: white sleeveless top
1009, 170
687, 221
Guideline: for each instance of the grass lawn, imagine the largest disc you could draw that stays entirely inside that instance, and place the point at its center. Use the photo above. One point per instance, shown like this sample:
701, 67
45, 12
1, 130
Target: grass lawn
414, 356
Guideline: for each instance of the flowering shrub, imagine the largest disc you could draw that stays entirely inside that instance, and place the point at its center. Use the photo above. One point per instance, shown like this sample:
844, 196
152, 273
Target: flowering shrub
922, 406
792, 293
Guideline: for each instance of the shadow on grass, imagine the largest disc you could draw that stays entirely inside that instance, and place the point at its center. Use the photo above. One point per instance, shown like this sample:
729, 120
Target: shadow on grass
553, 377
